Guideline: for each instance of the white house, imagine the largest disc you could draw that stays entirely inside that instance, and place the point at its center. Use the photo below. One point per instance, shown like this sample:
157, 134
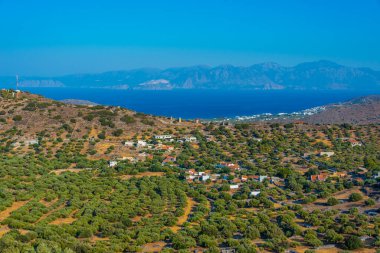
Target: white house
255, 193
163, 137
205, 177
112, 163
129, 143
31, 142
234, 186
327, 153
262, 178
355, 143
141, 143
190, 139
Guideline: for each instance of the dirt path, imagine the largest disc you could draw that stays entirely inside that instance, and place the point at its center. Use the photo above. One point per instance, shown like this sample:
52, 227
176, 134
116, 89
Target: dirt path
60, 171
44, 216
143, 174
67, 220
7, 212
182, 219
154, 247
48, 204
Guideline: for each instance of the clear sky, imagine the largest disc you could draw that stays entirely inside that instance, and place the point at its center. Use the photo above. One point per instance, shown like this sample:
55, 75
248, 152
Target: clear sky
51, 37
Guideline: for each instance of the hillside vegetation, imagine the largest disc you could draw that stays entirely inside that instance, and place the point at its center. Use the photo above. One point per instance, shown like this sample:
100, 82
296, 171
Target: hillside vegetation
77, 178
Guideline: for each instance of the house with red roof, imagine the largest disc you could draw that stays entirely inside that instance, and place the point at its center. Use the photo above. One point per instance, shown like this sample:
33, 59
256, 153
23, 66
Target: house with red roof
319, 178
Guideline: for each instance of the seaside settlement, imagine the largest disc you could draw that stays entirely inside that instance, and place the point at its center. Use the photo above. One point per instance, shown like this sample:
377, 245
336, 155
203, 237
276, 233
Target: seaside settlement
77, 178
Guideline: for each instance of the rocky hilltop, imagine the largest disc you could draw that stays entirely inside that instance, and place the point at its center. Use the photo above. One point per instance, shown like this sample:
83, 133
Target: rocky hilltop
362, 110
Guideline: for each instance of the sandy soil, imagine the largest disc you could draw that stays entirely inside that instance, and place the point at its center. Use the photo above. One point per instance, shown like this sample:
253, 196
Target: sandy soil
7, 212
182, 219
4, 230
153, 247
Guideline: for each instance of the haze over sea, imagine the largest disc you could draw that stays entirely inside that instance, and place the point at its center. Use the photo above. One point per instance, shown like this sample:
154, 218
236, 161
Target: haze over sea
205, 104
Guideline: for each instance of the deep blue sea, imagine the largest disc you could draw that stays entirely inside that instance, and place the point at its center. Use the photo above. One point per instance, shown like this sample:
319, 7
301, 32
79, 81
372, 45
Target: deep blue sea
205, 104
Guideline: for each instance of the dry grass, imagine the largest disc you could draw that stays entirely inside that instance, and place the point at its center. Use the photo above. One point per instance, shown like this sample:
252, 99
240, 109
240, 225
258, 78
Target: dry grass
143, 174
138, 218
320, 204
60, 221
67, 220
345, 194
95, 238
93, 133
302, 249
60, 171
23, 231
153, 247
102, 147
4, 230
7, 212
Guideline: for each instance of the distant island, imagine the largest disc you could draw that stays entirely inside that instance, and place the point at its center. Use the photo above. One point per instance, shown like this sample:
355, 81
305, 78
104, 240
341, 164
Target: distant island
320, 75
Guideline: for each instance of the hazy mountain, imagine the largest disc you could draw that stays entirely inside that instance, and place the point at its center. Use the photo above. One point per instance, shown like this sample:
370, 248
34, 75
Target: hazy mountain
312, 75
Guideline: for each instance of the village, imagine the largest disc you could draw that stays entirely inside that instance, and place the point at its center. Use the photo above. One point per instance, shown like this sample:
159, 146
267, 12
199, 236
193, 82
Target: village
233, 174
172, 184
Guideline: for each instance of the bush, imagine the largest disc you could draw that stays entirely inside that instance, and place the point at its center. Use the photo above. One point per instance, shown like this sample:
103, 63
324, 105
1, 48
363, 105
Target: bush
147, 122
89, 117
312, 239
17, 118
355, 197
332, 201
370, 202
117, 132
127, 119
85, 233
353, 242
102, 135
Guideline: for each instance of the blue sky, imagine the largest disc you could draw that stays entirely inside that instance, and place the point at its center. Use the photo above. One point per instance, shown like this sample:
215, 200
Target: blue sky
42, 37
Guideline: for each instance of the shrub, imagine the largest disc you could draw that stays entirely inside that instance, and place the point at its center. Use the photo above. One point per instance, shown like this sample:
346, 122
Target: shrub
332, 201
117, 132
17, 118
102, 135
127, 119
355, 197
147, 122
353, 242
370, 202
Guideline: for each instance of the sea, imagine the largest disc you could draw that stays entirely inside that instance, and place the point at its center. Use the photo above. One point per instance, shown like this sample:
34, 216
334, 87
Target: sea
203, 104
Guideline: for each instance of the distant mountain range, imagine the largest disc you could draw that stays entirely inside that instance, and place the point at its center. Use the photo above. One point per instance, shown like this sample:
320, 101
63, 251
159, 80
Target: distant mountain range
320, 75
